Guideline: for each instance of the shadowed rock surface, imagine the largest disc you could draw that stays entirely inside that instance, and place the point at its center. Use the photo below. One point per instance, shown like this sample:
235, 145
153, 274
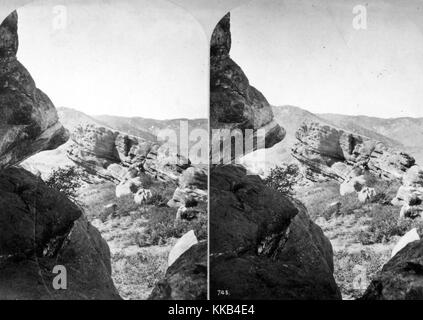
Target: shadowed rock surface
401, 278
28, 119
39, 227
263, 245
234, 103
186, 278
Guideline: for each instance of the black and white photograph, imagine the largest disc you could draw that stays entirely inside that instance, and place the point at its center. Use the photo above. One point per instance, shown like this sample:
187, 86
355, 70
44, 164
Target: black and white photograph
328, 205
226, 157
101, 103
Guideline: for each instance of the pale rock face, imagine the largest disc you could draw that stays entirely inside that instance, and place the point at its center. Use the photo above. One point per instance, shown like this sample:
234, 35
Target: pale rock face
28, 119
184, 243
409, 237
142, 196
410, 194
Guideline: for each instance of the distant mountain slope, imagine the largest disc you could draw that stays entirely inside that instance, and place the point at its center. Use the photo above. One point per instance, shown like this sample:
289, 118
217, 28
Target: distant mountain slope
71, 118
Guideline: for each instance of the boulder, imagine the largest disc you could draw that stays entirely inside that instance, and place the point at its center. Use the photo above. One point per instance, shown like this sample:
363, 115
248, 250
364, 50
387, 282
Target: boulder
110, 210
142, 196
409, 237
262, 244
352, 185
184, 243
194, 178
186, 278
187, 197
234, 104
191, 190
366, 195
401, 278
28, 119
39, 229
410, 194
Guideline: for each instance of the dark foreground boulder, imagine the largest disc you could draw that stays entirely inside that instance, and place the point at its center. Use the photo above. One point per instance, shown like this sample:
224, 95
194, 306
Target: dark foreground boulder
262, 244
401, 278
186, 278
40, 229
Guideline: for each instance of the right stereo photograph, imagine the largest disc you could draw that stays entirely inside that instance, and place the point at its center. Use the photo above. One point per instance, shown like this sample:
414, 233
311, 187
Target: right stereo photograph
316, 139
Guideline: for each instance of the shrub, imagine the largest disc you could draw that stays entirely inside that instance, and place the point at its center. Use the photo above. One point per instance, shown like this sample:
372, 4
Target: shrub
283, 178
386, 190
157, 200
161, 227
384, 225
67, 180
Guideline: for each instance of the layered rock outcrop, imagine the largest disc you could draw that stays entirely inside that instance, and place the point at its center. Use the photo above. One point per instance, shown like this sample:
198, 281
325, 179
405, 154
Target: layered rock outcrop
234, 103
112, 155
263, 245
328, 152
401, 278
40, 228
28, 119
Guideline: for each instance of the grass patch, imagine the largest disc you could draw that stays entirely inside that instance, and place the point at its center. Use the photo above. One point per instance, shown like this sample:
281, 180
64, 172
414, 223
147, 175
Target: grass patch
161, 227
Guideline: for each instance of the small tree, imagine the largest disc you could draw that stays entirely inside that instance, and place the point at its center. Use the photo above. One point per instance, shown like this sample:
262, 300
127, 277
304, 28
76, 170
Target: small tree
67, 180
283, 178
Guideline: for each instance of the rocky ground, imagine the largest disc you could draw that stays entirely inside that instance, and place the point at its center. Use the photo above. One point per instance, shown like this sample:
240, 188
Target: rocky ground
140, 237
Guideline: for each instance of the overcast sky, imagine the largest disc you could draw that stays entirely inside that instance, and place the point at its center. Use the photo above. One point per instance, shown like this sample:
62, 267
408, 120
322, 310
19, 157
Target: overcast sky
306, 53
130, 58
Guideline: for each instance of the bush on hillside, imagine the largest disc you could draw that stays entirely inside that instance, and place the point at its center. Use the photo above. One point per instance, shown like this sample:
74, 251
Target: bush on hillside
67, 180
283, 178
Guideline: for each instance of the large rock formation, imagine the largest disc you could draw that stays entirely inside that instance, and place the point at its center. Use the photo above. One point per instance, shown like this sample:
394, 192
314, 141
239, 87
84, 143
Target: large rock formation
263, 245
28, 119
410, 194
39, 227
328, 152
186, 278
112, 155
191, 190
401, 278
234, 103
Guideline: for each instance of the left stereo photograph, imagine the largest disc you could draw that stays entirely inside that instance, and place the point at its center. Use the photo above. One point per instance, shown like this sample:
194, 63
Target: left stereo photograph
103, 152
